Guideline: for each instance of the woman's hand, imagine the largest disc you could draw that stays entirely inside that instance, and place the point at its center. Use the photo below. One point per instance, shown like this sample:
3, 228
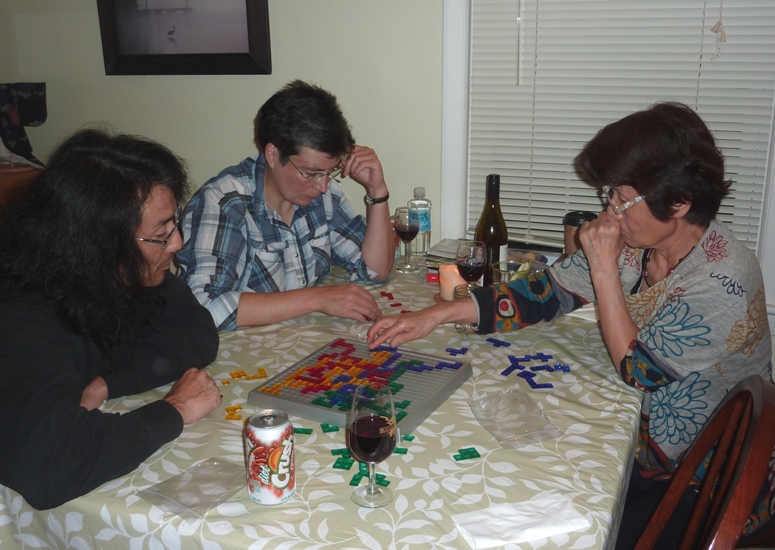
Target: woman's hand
399, 329
602, 242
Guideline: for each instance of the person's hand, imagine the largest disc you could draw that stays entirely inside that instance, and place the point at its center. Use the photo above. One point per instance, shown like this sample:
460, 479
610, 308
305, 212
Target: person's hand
399, 329
602, 241
95, 394
194, 395
362, 165
349, 301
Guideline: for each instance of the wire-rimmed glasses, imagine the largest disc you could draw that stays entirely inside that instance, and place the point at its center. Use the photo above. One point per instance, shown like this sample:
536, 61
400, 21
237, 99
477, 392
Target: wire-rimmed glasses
317, 177
176, 218
608, 197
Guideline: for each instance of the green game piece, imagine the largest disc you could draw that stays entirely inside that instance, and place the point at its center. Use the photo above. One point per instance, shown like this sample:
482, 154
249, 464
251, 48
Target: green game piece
379, 477
302, 431
343, 463
400, 451
400, 415
408, 437
341, 451
467, 453
363, 467
327, 428
382, 482
395, 387
356, 480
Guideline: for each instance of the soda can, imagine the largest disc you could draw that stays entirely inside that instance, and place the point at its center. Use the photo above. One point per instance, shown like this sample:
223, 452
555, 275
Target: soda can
268, 442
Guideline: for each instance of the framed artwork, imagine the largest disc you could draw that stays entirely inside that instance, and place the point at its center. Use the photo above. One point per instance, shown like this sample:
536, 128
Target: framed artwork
185, 36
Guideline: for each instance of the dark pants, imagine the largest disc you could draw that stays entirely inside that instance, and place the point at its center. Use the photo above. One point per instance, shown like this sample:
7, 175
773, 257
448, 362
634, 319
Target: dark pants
642, 499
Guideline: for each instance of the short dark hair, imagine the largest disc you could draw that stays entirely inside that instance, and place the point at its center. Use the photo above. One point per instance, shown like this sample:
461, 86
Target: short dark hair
70, 236
302, 115
668, 155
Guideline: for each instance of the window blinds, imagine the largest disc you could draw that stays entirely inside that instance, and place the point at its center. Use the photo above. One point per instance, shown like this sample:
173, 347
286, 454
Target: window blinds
546, 75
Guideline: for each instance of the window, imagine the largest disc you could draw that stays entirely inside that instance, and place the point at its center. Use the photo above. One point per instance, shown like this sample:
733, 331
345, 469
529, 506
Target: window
546, 75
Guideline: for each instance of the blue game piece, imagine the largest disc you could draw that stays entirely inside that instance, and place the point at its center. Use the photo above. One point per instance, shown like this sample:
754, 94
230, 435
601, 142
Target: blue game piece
498, 343
509, 370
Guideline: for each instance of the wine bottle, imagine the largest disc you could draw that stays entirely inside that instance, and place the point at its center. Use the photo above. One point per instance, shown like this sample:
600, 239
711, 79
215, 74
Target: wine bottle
491, 229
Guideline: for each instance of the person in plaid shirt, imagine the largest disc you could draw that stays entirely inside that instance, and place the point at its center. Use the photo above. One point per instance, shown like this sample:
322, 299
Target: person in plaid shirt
262, 234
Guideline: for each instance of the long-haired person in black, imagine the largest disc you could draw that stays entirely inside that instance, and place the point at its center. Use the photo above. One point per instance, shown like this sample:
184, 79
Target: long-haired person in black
89, 311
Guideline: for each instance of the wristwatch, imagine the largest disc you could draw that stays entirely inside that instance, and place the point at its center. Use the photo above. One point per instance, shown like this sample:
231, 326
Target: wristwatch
369, 201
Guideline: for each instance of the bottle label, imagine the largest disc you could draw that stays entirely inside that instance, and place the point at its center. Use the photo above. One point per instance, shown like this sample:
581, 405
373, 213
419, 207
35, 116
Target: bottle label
503, 254
424, 215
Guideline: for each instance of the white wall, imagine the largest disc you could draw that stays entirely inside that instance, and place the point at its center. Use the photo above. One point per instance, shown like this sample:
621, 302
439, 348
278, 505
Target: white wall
381, 59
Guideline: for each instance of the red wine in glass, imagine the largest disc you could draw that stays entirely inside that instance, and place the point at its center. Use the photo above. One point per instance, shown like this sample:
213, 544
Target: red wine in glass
371, 440
407, 233
470, 273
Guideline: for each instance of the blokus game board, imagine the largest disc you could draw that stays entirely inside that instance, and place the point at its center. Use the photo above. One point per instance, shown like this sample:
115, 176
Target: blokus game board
320, 386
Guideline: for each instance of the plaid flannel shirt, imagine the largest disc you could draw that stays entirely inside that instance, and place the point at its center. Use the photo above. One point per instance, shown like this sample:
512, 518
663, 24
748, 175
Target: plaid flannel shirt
235, 243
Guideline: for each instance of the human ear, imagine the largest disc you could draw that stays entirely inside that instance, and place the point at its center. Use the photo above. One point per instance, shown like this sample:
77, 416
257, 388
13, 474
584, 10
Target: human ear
681, 210
271, 154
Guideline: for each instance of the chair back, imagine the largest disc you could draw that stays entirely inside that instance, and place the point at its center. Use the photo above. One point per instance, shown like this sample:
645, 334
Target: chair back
741, 434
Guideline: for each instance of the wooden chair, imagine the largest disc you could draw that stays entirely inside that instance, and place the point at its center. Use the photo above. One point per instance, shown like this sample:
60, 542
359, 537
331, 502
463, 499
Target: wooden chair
742, 432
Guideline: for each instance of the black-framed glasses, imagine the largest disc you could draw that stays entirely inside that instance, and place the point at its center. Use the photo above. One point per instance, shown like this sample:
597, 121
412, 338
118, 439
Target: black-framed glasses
176, 218
334, 173
608, 196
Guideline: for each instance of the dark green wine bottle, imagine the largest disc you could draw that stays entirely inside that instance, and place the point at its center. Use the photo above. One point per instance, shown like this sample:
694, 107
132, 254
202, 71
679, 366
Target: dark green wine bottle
491, 229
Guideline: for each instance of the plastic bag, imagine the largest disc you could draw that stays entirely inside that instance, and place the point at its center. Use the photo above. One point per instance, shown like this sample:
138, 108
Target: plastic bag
191, 493
513, 419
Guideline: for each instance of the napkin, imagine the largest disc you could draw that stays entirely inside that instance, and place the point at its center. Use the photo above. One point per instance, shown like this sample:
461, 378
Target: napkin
588, 312
542, 516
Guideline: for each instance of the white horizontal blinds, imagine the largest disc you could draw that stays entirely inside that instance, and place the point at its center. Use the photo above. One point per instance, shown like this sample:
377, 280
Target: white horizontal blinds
586, 63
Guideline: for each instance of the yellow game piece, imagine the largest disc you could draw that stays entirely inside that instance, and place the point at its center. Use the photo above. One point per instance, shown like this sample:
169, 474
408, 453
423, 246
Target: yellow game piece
261, 372
237, 374
225, 382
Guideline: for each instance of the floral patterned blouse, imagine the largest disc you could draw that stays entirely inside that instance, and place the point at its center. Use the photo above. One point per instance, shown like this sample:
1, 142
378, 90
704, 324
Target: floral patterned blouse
702, 329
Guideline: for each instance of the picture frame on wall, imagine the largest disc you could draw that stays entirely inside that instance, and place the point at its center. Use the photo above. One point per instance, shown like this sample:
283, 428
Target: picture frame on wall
179, 37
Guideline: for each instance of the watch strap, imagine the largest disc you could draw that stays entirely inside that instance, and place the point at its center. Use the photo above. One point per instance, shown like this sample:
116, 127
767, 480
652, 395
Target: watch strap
369, 201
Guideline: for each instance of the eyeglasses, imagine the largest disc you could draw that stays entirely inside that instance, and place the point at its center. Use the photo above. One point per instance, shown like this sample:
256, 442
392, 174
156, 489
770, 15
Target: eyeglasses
176, 219
608, 197
335, 172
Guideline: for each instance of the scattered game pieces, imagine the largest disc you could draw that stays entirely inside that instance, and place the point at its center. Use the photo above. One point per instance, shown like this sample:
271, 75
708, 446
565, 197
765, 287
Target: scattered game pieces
466, 454
225, 382
455, 352
408, 437
320, 386
527, 375
400, 451
542, 357
343, 452
514, 365
388, 295
237, 374
327, 428
356, 480
231, 412
302, 431
498, 343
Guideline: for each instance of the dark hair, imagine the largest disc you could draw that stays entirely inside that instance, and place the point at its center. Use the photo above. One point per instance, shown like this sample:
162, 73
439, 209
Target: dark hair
302, 115
668, 155
71, 235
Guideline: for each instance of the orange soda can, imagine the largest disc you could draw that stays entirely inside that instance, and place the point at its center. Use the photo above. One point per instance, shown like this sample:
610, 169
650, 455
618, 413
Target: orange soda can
268, 442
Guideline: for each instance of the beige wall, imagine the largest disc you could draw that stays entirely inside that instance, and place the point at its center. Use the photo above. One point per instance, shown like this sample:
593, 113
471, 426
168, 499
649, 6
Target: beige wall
381, 59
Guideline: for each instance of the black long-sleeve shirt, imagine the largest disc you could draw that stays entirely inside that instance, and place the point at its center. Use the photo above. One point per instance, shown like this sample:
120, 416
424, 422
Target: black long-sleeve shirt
53, 450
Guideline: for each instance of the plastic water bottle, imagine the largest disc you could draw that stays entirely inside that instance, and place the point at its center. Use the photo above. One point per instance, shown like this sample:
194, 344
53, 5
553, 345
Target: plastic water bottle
422, 242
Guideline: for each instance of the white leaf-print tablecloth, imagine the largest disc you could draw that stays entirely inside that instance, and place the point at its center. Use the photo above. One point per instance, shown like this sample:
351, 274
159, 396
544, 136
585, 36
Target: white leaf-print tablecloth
596, 413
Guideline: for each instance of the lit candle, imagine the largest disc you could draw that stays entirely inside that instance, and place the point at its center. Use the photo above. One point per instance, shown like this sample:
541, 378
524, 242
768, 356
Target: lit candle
449, 278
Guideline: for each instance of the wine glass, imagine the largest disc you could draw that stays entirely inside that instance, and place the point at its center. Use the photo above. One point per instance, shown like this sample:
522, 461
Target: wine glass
407, 227
371, 438
471, 259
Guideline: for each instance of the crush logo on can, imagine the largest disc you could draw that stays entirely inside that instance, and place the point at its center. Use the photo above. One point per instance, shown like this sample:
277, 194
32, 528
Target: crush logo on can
277, 470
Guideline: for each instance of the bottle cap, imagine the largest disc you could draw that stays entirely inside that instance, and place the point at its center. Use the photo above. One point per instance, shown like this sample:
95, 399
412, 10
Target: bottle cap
419, 190
578, 217
494, 178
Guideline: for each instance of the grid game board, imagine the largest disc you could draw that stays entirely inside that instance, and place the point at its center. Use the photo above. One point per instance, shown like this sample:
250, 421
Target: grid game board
320, 386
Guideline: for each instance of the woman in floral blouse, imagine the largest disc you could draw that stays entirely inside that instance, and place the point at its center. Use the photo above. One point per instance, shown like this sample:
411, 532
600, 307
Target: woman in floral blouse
681, 300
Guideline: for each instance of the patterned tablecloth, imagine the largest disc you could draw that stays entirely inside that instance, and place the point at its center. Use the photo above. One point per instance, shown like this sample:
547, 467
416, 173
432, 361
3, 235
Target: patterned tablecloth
596, 413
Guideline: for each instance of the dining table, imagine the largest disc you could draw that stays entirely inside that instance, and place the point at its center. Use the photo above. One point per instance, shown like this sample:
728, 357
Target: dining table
587, 461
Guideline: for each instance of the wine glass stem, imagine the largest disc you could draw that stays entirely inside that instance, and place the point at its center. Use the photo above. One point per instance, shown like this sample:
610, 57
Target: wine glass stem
372, 478
408, 253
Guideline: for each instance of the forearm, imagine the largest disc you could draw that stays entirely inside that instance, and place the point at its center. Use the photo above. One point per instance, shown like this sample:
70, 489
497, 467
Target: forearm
378, 246
618, 328
264, 308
